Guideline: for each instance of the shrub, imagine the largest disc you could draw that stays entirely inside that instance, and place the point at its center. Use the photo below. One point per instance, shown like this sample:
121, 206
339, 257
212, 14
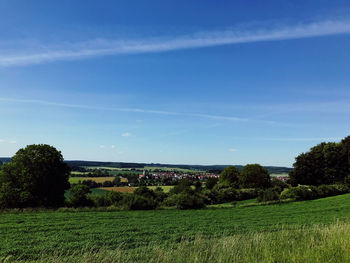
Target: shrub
301, 192
245, 194
279, 183
270, 194
211, 182
187, 201
184, 185
160, 194
137, 202
78, 196
108, 199
304, 192
225, 194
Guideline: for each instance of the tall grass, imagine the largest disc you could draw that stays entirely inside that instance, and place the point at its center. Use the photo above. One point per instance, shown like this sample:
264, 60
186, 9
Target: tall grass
306, 244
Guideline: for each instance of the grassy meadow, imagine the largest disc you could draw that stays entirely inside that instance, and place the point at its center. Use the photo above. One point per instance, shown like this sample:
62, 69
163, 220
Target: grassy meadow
325, 243
158, 233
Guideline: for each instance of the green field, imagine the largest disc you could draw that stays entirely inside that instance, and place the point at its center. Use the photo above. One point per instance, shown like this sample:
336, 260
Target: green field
28, 234
76, 180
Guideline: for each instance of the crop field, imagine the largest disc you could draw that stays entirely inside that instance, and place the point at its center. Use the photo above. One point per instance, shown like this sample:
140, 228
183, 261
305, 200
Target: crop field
75, 180
127, 189
29, 234
121, 189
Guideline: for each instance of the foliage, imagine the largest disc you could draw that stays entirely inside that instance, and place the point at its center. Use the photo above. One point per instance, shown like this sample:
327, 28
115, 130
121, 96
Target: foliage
325, 163
110, 198
78, 196
189, 201
139, 202
143, 198
211, 182
229, 176
270, 194
36, 176
184, 185
279, 184
254, 176
304, 192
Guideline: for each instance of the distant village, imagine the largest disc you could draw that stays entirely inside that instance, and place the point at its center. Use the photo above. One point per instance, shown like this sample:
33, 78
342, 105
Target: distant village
174, 175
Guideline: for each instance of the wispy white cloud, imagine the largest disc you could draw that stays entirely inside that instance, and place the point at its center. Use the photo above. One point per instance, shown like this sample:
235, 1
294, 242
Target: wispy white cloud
102, 146
126, 134
12, 142
232, 150
2, 140
134, 110
106, 47
113, 146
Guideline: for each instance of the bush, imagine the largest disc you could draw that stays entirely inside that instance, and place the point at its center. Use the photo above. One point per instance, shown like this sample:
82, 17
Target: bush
271, 194
78, 196
304, 192
137, 202
108, 199
211, 182
187, 201
301, 192
279, 184
245, 194
160, 194
223, 194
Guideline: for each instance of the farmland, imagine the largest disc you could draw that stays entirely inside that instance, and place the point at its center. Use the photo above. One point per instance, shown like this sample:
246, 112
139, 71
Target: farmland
75, 180
28, 234
127, 189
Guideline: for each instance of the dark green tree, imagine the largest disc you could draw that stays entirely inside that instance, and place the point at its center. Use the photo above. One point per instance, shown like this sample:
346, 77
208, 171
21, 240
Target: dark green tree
230, 176
184, 185
36, 176
211, 182
78, 196
254, 176
325, 163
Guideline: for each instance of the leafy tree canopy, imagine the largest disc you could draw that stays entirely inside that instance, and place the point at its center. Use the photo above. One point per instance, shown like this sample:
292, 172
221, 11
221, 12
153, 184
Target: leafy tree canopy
229, 176
325, 163
36, 176
254, 176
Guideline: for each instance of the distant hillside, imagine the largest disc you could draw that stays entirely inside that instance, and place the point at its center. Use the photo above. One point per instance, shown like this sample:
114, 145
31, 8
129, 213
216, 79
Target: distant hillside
5, 159
213, 168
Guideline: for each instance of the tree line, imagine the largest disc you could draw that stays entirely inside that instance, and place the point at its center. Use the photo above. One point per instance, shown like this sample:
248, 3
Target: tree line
37, 176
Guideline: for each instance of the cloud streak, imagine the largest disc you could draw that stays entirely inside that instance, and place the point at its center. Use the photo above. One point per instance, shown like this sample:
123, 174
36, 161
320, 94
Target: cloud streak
135, 110
108, 47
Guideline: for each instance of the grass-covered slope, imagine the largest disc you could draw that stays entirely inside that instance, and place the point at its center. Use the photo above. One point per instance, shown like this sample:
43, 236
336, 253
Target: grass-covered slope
30, 234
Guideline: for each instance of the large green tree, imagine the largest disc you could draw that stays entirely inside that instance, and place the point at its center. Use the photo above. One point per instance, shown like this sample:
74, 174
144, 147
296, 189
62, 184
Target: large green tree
36, 176
325, 163
254, 176
229, 176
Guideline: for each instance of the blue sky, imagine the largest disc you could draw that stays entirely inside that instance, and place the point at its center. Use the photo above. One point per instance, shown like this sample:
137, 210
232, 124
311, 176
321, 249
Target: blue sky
193, 82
